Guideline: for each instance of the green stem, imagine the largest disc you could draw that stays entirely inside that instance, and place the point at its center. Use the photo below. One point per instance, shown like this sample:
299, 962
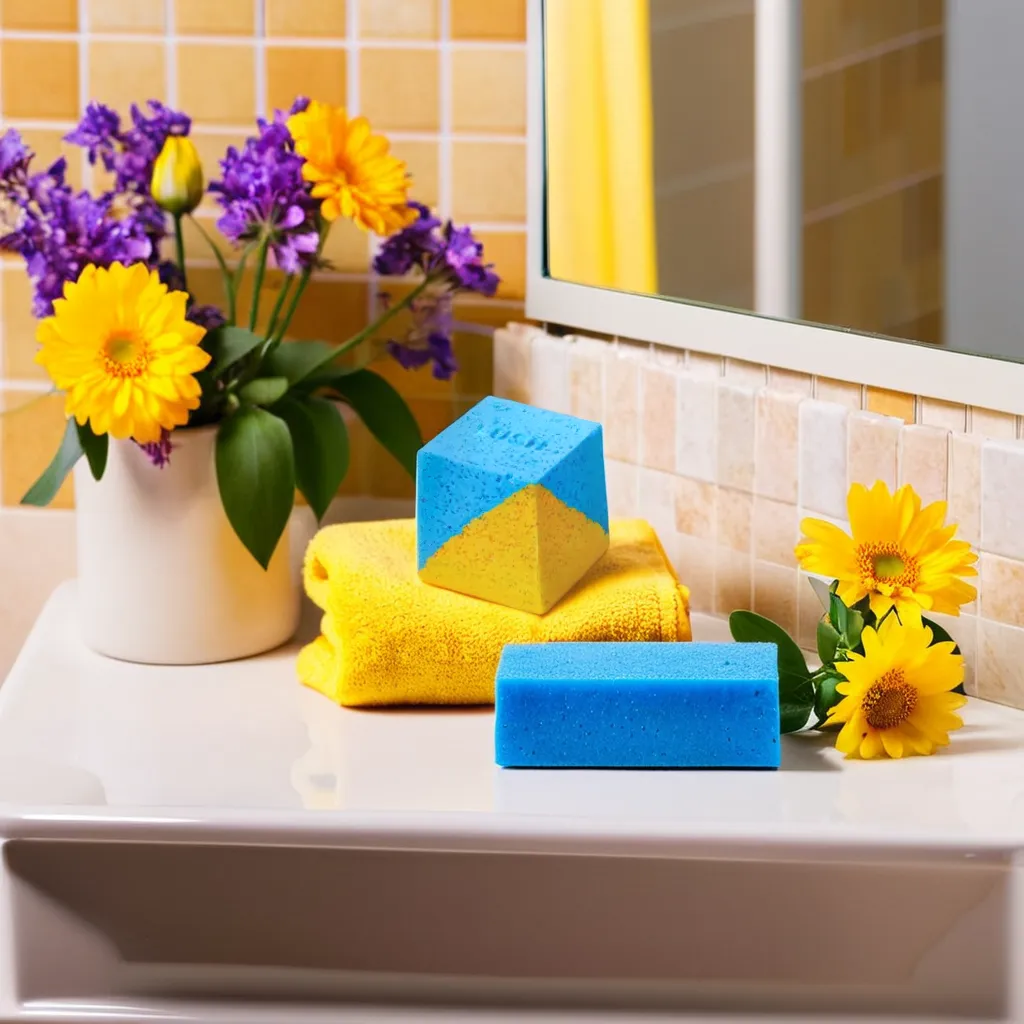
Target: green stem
236, 279
257, 284
281, 330
225, 273
276, 311
179, 241
392, 311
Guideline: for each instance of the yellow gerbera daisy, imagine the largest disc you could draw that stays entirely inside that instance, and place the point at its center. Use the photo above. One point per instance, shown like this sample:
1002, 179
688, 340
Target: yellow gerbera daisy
900, 554
352, 169
120, 347
896, 699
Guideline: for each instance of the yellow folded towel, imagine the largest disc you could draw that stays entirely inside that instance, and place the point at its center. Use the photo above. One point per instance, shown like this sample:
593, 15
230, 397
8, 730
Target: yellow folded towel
389, 638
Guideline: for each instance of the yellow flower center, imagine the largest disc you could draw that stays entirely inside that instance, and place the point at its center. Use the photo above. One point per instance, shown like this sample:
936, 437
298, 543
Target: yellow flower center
887, 563
125, 356
890, 700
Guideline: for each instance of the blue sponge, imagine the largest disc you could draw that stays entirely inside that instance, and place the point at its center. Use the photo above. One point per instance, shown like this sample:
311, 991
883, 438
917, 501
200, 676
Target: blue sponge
637, 705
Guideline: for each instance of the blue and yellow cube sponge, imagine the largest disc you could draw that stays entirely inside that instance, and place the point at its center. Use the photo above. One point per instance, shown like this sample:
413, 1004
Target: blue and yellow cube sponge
511, 504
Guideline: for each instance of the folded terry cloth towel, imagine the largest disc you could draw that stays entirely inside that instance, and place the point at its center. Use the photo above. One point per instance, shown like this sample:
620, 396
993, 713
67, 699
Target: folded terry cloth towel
389, 638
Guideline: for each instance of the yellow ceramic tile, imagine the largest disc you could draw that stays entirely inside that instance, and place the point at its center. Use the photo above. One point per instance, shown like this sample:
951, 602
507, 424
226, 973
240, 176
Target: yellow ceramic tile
398, 19
48, 144
212, 146
422, 158
121, 74
303, 71
331, 311
489, 181
126, 15
472, 309
323, 18
217, 84
507, 251
399, 88
39, 78
40, 15
413, 384
348, 248
493, 19
433, 415
489, 91
475, 356
29, 437
19, 348
891, 403
225, 17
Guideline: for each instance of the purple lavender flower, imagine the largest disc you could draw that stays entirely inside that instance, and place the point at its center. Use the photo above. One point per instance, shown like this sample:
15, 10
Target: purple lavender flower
131, 153
450, 254
14, 156
429, 340
159, 452
58, 231
262, 190
209, 317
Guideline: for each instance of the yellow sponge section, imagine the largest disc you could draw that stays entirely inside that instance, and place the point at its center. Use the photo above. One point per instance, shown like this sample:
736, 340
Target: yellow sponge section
526, 553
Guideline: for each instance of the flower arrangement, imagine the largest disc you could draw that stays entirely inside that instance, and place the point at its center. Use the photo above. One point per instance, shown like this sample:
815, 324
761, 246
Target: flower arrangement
137, 357
890, 678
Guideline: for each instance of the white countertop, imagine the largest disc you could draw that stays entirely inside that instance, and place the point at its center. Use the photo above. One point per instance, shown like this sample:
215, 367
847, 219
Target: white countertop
138, 771
243, 740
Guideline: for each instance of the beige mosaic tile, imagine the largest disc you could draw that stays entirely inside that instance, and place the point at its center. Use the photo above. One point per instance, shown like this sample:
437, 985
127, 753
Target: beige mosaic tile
697, 428
512, 364
965, 486
1001, 589
776, 531
586, 379
1000, 663
733, 590
776, 450
658, 417
873, 442
734, 515
735, 422
1002, 498
748, 375
823, 457
622, 481
695, 503
924, 461
775, 594
696, 568
622, 406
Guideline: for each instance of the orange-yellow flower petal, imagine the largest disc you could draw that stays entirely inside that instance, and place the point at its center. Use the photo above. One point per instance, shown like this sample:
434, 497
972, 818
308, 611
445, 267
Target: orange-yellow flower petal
900, 555
352, 170
119, 346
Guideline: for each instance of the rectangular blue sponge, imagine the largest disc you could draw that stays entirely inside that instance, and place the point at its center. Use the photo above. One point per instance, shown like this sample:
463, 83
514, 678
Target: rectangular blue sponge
637, 705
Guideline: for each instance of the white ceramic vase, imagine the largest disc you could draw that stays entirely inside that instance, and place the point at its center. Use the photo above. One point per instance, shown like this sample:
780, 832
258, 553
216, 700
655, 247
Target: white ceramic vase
162, 578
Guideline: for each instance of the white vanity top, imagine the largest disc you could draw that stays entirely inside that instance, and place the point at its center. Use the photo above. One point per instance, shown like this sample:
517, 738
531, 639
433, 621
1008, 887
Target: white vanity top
241, 755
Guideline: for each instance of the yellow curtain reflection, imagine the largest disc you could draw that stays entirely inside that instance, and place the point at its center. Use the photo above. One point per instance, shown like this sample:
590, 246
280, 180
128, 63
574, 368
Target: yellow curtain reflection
600, 165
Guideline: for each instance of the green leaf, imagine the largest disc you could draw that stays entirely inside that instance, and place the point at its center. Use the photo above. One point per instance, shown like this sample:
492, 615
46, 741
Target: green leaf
320, 442
263, 390
939, 636
256, 478
227, 345
42, 492
796, 692
826, 696
296, 360
822, 591
95, 447
384, 412
854, 628
837, 611
828, 640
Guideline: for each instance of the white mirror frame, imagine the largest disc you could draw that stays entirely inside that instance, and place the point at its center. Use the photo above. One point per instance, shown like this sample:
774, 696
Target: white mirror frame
918, 369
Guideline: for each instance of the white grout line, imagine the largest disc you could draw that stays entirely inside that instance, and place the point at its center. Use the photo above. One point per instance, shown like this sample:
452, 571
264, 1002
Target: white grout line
260, 58
498, 138
170, 55
445, 117
289, 42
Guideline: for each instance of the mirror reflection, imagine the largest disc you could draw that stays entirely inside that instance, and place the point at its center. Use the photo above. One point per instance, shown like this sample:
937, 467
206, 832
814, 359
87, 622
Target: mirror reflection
846, 162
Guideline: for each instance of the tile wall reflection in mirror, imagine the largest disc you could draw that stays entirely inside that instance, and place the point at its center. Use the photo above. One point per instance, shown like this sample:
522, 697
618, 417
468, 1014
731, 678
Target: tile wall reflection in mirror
854, 163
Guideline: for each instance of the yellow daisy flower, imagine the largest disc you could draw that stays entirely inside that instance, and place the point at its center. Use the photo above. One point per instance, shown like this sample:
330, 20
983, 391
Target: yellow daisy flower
896, 699
900, 554
352, 170
120, 347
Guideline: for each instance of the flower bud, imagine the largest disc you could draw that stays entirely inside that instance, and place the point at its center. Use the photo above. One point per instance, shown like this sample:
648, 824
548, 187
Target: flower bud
177, 183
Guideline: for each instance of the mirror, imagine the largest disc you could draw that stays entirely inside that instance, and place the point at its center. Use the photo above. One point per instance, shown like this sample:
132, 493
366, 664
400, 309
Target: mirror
849, 163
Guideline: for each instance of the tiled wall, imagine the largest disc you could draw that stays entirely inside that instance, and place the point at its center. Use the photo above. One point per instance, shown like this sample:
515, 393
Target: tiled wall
724, 458
445, 79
